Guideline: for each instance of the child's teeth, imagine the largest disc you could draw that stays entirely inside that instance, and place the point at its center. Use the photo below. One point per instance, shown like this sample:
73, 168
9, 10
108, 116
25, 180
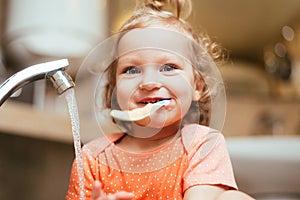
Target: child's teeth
162, 101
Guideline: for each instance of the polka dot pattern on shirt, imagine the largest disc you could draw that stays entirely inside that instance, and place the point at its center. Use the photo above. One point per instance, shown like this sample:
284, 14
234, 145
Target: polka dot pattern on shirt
122, 160
165, 182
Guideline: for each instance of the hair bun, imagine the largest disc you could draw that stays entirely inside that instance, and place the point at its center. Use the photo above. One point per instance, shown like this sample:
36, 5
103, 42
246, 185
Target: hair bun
159, 4
180, 8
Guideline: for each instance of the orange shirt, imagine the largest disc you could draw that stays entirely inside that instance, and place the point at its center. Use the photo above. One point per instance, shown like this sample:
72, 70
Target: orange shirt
198, 157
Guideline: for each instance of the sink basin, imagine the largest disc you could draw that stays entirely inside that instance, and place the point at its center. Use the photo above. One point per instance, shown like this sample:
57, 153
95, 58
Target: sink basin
267, 166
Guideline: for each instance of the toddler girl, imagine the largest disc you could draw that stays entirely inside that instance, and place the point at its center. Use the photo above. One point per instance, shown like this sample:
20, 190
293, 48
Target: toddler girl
172, 153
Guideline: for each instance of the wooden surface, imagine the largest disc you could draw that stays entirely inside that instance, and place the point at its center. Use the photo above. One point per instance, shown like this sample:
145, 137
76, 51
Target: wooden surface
25, 120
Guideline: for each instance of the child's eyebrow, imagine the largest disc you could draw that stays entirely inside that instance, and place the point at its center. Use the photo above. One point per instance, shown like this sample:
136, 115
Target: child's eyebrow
159, 57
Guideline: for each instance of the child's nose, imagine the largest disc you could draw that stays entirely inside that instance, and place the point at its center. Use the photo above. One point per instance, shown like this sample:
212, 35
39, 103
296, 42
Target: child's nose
150, 81
150, 85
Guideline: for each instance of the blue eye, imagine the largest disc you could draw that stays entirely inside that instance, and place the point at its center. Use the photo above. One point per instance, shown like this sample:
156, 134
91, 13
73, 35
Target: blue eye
131, 70
168, 67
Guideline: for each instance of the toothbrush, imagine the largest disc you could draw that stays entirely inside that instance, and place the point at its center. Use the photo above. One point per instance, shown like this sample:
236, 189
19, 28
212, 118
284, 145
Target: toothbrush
139, 113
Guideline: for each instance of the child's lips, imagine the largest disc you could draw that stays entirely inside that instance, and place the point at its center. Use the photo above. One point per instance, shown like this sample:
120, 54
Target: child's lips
152, 100
168, 103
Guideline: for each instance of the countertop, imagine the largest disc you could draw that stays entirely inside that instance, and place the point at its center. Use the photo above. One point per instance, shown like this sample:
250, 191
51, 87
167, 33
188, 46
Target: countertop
25, 120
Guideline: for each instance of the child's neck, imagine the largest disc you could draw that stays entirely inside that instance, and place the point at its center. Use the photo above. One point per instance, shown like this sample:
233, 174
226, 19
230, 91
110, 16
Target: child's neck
144, 144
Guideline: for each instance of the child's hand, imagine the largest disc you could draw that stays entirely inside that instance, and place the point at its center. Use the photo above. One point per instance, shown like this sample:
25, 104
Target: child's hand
98, 194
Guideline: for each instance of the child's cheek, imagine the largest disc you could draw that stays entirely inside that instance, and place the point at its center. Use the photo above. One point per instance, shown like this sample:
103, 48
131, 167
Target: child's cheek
124, 92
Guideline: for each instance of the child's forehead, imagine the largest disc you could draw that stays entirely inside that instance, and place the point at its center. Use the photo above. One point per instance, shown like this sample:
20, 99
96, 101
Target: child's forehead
155, 38
151, 55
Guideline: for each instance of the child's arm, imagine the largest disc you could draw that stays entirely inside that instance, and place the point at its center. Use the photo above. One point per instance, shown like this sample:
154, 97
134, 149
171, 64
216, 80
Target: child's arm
203, 192
234, 195
214, 193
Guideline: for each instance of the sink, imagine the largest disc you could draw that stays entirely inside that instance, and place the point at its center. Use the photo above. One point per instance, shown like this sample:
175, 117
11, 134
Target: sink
267, 165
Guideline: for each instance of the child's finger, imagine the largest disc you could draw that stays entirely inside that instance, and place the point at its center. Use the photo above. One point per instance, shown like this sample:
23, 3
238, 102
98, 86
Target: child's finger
124, 195
97, 190
121, 196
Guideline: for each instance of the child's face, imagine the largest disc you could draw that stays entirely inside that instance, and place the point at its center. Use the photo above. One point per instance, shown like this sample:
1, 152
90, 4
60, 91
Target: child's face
149, 75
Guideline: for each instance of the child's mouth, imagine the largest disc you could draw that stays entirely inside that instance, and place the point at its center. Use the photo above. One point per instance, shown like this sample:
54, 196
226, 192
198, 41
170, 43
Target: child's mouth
140, 113
153, 101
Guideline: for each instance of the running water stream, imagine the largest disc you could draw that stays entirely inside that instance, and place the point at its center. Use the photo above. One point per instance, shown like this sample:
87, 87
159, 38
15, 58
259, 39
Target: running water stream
74, 116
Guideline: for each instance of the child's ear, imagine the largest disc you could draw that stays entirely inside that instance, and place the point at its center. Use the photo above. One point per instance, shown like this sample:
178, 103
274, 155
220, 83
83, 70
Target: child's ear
198, 87
196, 95
199, 84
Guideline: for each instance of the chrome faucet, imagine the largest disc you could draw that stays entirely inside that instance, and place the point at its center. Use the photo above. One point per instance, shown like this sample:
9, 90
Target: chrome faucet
54, 70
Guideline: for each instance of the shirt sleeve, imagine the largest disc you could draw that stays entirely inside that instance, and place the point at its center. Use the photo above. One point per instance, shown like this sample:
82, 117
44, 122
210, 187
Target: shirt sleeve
209, 162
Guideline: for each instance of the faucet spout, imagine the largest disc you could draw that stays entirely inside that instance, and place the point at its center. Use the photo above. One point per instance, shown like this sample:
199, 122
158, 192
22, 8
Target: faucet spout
61, 81
54, 70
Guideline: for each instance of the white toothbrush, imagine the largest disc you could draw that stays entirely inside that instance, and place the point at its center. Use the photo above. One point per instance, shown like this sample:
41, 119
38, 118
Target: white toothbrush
138, 113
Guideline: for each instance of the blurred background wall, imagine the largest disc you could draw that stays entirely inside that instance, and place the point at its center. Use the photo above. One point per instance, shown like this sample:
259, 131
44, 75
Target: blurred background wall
262, 77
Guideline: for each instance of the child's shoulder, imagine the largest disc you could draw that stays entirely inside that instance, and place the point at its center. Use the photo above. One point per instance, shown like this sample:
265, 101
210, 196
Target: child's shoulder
98, 145
195, 134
